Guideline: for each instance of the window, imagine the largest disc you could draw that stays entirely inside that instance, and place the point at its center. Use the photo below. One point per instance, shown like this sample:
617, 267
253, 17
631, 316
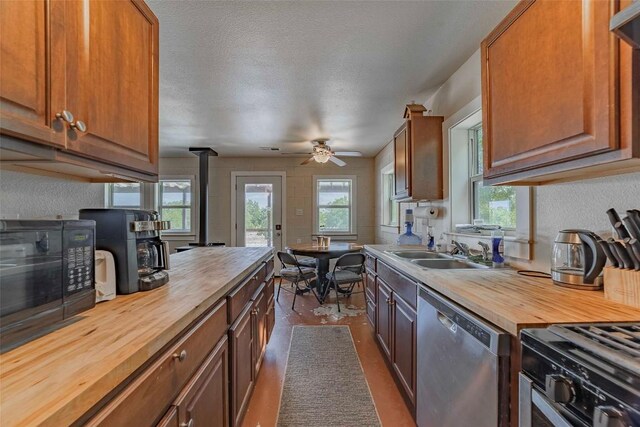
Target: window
334, 211
494, 205
124, 195
175, 203
390, 208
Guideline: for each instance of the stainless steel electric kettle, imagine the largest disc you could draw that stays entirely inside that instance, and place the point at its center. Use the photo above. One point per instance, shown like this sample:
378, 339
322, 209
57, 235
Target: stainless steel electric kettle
577, 260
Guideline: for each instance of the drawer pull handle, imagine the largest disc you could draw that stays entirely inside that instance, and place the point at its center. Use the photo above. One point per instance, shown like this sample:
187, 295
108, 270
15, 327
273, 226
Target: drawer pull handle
189, 423
181, 356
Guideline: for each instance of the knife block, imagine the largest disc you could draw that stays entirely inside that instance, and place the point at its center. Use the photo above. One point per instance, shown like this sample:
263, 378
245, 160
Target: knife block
622, 286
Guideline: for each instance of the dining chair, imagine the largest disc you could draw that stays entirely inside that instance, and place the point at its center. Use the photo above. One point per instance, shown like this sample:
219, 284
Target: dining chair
296, 273
346, 273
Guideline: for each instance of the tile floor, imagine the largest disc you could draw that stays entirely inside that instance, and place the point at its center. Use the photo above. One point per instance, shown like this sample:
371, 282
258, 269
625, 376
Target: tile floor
264, 404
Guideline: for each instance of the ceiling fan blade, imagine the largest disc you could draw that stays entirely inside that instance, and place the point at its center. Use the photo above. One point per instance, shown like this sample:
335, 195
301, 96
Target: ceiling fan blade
337, 161
348, 153
309, 160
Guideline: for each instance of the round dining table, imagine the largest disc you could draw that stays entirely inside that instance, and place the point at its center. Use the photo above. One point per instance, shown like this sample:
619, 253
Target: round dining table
323, 255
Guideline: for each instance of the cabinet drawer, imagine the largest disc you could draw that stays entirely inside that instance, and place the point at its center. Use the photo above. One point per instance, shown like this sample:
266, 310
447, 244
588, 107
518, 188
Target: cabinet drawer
371, 286
146, 399
270, 267
406, 288
371, 312
370, 263
269, 291
243, 293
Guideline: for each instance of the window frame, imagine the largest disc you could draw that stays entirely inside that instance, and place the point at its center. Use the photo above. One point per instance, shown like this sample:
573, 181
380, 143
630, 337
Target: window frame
387, 202
108, 195
352, 207
476, 176
158, 203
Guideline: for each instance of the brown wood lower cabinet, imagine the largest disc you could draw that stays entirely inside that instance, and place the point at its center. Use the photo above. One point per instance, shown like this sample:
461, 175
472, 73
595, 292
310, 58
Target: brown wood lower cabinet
170, 419
394, 323
207, 376
205, 400
242, 363
403, 338
383, 316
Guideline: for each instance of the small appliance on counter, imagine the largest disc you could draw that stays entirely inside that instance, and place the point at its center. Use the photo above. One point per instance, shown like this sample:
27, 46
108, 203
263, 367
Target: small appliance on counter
578, 260
133, 237
105, 276
46, 275
580, 375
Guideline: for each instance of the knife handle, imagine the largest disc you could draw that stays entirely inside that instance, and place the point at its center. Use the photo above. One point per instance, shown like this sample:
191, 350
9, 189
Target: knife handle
634, 259
630, 224
621, 230
607, 250
624, 256
614, 218
634, 244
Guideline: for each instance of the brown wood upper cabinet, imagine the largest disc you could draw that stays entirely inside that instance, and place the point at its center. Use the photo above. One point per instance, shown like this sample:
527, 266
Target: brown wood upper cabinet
417, 147
98, 61
558, 95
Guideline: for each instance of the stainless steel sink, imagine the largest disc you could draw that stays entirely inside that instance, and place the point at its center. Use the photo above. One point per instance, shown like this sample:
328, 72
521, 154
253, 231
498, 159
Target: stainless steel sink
416, 255
446, 264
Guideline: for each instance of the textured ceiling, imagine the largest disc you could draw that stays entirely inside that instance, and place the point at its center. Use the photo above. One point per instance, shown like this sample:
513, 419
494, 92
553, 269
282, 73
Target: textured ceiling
239, 75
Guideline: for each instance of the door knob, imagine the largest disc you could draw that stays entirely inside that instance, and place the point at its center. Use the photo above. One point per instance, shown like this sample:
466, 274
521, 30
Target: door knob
79, 125
65, 116
181, 356
190, 423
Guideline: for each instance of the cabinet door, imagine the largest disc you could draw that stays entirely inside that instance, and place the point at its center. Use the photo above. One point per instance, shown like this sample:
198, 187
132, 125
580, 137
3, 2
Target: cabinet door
271, 319
371, 311
112, 81
242, 363
404, 345
549, 86
205, 400
401, 161
170, 419
260, 325
383, 316
31, 85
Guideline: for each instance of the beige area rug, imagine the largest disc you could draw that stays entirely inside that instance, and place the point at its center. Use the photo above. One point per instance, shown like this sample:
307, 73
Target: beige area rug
324, 384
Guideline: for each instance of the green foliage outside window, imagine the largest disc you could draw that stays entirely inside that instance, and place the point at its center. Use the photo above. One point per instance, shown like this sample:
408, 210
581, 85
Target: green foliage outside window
335, 218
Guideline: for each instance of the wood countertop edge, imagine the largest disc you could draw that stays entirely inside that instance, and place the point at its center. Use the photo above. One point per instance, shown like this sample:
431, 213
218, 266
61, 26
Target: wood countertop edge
73, 406
514, 323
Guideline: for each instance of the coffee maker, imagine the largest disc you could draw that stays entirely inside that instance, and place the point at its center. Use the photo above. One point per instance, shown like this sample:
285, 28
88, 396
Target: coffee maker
133, 237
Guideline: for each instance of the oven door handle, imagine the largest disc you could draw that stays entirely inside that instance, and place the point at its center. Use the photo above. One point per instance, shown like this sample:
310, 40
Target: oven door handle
529, 398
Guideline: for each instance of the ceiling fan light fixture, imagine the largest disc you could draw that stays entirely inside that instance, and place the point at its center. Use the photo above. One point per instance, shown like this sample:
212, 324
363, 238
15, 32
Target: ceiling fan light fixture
321, 157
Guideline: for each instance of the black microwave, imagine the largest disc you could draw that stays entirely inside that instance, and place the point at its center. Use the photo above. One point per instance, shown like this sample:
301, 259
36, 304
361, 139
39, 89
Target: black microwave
46, 275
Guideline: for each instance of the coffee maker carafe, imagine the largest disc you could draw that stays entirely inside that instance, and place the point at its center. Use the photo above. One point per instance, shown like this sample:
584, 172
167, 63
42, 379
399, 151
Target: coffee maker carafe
133, 237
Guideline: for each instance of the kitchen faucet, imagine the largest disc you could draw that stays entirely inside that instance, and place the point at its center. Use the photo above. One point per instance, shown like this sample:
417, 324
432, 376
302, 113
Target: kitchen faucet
461, 248
486, 250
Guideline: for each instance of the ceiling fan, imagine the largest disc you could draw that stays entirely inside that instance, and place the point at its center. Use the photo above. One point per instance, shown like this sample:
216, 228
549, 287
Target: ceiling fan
322, 153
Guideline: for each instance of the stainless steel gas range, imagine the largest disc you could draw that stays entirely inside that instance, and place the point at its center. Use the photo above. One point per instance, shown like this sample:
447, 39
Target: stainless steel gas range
580, 375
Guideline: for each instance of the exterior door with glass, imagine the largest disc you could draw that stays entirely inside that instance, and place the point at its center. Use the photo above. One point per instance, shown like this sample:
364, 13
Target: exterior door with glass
259, 211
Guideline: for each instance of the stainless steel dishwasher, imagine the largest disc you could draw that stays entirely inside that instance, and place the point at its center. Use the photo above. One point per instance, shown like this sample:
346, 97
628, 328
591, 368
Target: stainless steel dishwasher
463, 367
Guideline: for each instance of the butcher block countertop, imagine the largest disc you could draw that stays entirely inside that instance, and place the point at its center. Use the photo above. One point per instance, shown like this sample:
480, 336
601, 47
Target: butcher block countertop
509, 300
56, 378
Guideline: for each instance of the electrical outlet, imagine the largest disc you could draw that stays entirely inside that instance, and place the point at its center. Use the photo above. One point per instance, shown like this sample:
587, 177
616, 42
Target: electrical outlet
299, 241
299, 212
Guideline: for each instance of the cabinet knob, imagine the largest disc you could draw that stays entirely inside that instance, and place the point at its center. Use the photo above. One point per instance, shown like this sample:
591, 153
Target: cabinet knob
388, 300
65, 116
79, 125
181, 356
189, 423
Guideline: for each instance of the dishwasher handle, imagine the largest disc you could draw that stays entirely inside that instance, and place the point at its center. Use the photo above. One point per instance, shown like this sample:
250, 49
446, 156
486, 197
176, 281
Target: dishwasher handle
446, 322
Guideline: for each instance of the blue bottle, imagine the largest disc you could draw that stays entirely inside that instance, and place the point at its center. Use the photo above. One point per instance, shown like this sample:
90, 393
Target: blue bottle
408, 238
497, 246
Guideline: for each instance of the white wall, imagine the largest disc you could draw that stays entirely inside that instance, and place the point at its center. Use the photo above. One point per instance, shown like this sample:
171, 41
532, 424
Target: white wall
579, 204
299, 191
33, 196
